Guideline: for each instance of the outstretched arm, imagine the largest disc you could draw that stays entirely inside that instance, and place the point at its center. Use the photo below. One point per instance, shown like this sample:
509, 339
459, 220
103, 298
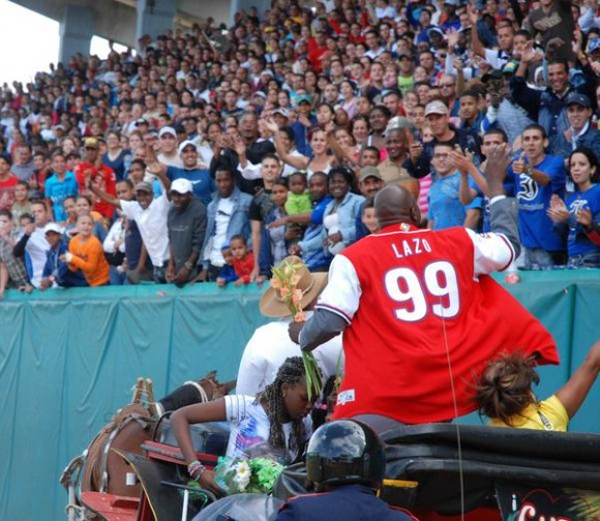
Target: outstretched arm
336, 306
101, 194
574, 392
181, 421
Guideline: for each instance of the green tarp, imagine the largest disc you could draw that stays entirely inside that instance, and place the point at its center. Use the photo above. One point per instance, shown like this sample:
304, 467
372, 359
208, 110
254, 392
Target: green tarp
69, 358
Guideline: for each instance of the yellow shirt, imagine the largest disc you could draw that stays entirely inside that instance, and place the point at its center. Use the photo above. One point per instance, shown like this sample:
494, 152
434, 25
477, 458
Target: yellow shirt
547, 415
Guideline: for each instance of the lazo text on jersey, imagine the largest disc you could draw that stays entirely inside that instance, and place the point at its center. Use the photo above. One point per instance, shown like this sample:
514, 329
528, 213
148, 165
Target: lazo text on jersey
412, 246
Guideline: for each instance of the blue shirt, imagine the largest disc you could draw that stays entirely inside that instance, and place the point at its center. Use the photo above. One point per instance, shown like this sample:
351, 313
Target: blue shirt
120, 164
57, 191
313, 253
202, 182
578, 242
445, 208
485, 206
536, 229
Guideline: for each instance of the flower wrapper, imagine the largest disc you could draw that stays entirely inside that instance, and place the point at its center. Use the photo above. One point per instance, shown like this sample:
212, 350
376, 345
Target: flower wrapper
237, 476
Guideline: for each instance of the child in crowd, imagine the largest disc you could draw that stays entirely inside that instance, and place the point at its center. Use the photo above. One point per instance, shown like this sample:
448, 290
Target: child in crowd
227, 273
368, 217
505, 396
243, 259
56, 271
86, 254
24, 220
22, 204
298, 199
369, 157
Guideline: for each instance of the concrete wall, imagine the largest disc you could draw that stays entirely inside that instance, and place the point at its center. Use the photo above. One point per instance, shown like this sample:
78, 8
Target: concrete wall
115, 20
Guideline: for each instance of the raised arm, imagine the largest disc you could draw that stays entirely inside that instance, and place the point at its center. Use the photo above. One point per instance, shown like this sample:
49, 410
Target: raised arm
92, 185
297, 162
574, 392
155, 167
476, 44
503, 210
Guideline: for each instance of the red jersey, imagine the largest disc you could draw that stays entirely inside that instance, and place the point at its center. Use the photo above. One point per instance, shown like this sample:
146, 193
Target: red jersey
108, 185
423, 316
7, 192
243, 267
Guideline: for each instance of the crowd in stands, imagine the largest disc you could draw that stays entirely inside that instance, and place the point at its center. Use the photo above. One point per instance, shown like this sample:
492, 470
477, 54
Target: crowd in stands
205, 157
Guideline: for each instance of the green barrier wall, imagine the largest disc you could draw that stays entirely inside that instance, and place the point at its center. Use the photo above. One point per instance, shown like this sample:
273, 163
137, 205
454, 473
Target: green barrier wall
68, 361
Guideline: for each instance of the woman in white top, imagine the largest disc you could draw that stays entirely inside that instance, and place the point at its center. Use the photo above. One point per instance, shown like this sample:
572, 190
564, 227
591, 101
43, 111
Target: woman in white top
319, 160
278, 418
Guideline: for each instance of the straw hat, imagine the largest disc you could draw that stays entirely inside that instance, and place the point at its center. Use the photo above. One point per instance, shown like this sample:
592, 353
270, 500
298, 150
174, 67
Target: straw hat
311, 284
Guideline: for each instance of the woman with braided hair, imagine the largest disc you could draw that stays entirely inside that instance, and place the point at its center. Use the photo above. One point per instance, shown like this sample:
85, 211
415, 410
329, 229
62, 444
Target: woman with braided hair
505, 395
276, 420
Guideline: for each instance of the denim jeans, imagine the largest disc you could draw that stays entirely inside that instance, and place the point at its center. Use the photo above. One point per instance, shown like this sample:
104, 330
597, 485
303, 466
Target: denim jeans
540, 259
585, 260
159, 274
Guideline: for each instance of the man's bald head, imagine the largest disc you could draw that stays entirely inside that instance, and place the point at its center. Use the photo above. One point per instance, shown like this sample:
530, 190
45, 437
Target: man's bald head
394, 205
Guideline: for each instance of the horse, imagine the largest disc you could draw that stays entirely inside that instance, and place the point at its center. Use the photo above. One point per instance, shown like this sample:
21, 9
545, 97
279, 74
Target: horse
100, 469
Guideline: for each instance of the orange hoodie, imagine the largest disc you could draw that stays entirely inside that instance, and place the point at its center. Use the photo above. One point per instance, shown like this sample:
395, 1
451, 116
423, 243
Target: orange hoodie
89, 257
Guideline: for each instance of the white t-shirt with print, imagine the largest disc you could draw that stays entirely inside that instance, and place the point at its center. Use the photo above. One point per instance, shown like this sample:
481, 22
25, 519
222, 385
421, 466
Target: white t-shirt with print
250, 425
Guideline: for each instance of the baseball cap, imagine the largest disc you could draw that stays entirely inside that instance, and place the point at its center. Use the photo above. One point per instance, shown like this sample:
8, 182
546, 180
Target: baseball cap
593, 45
186, 143
143, 186
283, 111
576, 98
167, 130
302, 97
369, 171
436, 107
90, 142
141, 121
435, 30
53, 227
510, 67
181, 186
494, 74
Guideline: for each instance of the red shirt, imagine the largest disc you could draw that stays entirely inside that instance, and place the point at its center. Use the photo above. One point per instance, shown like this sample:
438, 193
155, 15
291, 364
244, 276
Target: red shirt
243, 267
7, 192
419, 302
108, 185
315, 54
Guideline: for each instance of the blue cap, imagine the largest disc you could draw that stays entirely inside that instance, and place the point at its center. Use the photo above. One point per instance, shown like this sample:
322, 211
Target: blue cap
576, 98
302, 97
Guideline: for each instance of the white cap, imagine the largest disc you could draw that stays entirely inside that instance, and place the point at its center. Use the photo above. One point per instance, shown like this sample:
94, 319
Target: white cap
53, 227
186, 143
167, 130
181, 186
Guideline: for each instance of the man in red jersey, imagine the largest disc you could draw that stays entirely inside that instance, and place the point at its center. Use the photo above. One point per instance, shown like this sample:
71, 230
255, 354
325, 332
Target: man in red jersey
420, 316
98, 170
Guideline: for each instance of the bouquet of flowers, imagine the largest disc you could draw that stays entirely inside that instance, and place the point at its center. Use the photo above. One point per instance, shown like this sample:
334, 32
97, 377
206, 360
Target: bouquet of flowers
238, 476
285, 280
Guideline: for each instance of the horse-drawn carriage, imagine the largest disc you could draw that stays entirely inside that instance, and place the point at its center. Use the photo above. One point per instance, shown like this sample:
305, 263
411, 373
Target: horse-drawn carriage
437, 471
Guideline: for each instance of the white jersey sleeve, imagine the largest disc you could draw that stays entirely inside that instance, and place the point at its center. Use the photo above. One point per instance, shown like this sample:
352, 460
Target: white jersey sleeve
493, 252
343, 291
